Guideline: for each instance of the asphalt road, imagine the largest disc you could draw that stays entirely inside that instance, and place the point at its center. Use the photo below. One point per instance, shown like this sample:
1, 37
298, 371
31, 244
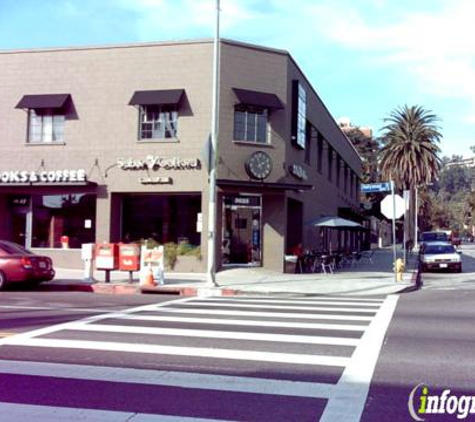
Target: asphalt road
253, 359
24, 310
430, 340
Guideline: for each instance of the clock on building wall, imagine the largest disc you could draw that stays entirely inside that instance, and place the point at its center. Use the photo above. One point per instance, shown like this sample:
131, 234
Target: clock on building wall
259, 165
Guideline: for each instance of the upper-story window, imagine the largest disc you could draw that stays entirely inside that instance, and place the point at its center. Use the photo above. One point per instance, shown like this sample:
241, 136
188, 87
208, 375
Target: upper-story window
158, 113
310, 138
345, 178
299, 114
45, 125
338, 170
330, 163
251, 115
250, 124
46, 117
320, 142
158, 122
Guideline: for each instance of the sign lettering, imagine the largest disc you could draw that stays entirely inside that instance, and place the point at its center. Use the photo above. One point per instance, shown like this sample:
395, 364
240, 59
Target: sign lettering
298, 171
153, 162
52, 176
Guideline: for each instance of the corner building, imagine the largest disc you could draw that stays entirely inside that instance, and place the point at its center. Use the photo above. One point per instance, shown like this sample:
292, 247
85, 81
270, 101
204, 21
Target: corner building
109, 144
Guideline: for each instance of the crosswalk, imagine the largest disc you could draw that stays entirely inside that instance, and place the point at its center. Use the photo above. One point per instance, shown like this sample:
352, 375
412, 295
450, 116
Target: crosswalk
211, 358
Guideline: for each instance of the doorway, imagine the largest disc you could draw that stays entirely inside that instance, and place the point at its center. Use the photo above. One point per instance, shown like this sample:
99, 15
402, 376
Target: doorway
241, 243
20, 212
294, 223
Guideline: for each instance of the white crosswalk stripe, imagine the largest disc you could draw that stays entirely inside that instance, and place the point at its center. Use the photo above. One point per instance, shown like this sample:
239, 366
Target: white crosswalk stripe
271, 330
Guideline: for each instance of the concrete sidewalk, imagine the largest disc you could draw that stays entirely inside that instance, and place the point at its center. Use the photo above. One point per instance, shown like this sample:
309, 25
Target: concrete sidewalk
364, 278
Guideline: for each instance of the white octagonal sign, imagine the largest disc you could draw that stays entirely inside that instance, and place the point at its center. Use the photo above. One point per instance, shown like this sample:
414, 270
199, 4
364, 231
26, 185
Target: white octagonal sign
387, 206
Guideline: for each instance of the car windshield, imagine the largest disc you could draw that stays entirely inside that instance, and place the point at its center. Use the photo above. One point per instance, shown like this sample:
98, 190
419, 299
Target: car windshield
439, 249
13, 248
432, 236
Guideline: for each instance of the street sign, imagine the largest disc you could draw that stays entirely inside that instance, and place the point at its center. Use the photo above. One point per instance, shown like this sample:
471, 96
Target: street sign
376, 187
387, 208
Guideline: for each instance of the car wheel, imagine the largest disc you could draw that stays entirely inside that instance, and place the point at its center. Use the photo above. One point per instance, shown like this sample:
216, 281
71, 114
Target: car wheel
3, 281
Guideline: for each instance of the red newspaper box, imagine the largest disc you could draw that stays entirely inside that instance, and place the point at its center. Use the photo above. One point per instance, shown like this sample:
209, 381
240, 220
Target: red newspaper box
107, 256
129, 257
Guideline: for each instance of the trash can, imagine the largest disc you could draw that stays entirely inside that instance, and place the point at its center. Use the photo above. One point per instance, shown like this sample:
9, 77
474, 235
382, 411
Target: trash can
290, 264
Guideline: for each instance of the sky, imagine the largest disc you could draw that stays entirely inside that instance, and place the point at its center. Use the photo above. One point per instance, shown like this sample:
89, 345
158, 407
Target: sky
365, 58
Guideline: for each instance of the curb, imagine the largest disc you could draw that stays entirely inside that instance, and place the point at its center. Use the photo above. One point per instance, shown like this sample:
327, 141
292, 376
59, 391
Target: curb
115, 288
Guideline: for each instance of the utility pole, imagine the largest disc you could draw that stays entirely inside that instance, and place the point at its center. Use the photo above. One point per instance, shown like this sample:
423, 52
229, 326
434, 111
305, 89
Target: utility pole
213, 162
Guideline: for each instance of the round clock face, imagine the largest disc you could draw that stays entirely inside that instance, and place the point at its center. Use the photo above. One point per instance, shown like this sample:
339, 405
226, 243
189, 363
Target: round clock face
259, 165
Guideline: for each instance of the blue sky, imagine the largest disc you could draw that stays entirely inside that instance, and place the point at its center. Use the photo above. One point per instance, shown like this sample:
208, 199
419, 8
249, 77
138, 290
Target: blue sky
365, 58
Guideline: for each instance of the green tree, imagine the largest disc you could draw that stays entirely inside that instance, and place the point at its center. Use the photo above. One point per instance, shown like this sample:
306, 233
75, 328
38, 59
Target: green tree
454, 179
410, 154
368, 149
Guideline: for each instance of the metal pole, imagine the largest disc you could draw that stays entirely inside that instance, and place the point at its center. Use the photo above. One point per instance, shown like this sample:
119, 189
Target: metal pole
394, 231
404, 241
211, 269
415, 217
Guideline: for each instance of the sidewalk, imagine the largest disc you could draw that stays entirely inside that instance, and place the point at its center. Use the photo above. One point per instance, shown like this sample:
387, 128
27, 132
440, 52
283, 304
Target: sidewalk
364, 278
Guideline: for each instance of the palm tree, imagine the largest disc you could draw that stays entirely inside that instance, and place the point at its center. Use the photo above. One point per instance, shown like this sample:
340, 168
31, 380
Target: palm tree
410, 154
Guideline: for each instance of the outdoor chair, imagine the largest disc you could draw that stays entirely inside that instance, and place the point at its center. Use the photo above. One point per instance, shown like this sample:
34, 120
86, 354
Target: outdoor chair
328, 264
354, 258
367, 256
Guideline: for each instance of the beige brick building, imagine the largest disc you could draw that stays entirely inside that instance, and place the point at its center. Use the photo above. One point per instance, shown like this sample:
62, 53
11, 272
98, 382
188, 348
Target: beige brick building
109, 144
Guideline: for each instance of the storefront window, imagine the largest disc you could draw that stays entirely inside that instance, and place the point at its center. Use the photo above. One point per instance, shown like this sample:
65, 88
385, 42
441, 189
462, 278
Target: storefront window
164, 218
72, 215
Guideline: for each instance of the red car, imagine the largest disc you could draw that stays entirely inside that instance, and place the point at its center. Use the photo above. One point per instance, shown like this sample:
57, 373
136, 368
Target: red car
18, 264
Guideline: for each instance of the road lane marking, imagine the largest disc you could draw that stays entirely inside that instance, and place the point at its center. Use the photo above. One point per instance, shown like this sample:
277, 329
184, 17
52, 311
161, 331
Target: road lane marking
348, 400
256, 302
268, 314
64, 326
276, 299
169, 379
313, 308
202, 352
249, 322
232, 335
52, 308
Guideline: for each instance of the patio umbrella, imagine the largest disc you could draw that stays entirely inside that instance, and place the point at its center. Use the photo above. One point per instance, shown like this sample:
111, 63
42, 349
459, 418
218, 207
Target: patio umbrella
333, 222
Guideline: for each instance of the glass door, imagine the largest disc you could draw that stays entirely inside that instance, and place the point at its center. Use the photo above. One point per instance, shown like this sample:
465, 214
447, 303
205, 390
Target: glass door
241, 242
20, 220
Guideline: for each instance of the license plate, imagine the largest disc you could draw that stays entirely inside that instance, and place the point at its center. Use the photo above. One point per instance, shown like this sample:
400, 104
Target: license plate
42, 264
443, 265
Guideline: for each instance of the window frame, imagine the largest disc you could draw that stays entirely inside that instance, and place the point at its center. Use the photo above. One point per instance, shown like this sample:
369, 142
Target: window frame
260, 114
320, 148
162, 112
56, 126
330, 157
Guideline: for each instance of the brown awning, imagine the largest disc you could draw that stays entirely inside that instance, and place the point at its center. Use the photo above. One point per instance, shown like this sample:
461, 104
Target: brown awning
164, 96
262, 185
43, 101
258, 99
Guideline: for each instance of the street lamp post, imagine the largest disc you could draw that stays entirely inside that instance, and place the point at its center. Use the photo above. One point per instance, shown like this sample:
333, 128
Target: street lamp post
213, 162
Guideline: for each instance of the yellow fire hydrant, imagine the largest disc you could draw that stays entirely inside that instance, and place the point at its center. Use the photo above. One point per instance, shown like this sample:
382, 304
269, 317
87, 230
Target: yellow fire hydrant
399, 267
